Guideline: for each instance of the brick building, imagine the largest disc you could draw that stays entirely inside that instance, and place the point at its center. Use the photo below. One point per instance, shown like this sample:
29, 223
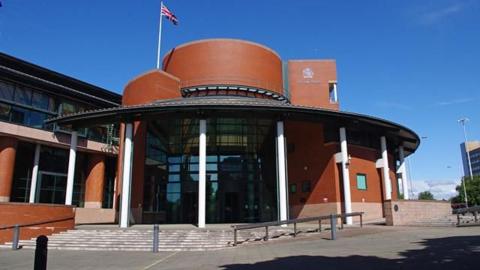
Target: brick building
225, 132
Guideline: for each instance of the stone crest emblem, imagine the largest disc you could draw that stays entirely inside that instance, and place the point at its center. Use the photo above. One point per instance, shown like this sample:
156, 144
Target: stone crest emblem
307, 73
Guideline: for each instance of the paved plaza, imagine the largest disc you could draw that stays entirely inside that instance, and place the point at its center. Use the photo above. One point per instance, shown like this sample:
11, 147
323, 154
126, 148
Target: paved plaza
373, 247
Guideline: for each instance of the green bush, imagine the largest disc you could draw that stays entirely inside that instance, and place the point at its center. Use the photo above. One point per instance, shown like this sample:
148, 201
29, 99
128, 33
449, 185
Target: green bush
425, 195
472, 185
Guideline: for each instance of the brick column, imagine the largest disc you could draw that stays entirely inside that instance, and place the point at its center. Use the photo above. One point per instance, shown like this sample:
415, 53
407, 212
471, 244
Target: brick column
95, 181
8, 150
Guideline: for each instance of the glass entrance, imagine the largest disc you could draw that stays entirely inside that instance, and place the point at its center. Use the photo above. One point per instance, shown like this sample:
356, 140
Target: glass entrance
171, 172
241, 171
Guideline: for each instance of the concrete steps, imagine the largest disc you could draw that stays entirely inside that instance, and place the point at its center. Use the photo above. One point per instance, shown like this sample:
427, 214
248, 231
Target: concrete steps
142, 239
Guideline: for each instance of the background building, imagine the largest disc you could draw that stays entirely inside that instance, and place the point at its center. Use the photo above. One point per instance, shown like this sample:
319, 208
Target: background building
473, 147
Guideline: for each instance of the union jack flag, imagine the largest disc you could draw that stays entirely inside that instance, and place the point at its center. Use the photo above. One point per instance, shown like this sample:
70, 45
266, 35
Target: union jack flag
169, 15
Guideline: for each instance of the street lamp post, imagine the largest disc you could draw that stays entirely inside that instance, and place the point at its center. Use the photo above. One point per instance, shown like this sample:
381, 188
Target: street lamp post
462, 121
465, 192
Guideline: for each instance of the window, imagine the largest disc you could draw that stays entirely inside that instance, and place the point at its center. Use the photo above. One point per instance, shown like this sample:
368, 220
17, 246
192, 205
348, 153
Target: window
41, 101
361, 181
293, 188
20, 116
67, 108
37, 119
306, 186
6, 91
332, 92
5, 112
23, 96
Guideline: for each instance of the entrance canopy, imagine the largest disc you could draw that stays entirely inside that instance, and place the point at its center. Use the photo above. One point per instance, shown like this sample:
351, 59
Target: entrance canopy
215, 105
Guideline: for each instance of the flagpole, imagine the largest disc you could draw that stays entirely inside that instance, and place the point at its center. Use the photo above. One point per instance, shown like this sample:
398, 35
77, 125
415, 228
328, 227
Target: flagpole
159, 36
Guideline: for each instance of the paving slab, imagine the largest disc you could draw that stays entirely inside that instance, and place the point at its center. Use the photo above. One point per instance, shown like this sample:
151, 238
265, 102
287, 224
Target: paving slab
373, 247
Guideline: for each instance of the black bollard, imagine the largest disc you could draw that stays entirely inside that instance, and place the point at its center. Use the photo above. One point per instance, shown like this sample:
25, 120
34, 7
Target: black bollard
41, 253
16, 237
333, 226
155, 238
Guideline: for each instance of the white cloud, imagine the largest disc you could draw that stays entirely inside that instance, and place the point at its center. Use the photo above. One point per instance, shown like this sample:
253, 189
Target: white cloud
437, 15
455, 101
439, 189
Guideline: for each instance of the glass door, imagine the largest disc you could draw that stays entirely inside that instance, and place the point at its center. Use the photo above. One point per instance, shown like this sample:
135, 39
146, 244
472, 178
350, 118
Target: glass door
52, 187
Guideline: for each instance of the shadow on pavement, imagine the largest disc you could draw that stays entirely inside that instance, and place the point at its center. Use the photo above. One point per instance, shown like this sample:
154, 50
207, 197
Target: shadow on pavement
462, 252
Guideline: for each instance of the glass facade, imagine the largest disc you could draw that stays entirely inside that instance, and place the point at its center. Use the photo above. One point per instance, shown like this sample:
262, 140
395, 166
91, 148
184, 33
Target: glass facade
22, 175
241, 171
52, 176
24, 105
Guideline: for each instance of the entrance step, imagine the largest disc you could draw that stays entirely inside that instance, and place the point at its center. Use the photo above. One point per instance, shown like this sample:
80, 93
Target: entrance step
142, 240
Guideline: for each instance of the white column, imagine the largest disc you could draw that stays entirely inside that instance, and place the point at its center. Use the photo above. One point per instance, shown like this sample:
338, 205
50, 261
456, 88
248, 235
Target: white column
71, 167
281, 168
402, 169
202, 172
386, 170
345, 174
126, 176
33, 182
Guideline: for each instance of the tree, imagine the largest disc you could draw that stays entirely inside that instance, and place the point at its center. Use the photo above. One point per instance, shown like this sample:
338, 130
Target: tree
472, 185
425, 195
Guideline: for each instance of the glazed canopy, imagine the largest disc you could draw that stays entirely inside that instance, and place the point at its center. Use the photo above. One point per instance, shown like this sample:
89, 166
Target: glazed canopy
196, 107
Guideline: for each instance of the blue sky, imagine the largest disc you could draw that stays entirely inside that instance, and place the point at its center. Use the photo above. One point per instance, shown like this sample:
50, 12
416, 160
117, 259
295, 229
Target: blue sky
413, 62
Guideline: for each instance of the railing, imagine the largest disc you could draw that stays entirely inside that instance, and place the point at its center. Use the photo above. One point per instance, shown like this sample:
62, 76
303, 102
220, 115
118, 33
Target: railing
462, 211
331, 217
238, 80
36, 223
16, 228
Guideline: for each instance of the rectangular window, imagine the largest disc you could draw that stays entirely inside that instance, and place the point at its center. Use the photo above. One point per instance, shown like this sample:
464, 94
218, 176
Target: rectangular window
5, 112
306, 186
23, 96
361, 181
67, 108
293, 188
6, 90
332, 92
40, 101
37, 119
20, 116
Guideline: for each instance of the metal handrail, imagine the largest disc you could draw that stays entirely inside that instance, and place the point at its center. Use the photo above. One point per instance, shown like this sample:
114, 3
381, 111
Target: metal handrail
462, 211
467, 210
294, 222
36, 223
233, 79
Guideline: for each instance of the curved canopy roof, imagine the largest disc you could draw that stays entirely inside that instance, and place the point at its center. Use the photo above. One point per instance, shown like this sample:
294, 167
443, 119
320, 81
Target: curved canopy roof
395, 133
